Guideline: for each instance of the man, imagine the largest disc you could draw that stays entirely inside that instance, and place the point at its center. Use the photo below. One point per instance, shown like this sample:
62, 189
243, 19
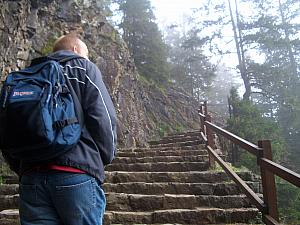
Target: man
67, 190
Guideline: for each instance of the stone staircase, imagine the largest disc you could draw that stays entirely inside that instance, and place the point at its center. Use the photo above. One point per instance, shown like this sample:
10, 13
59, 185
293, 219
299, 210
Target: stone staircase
166, 183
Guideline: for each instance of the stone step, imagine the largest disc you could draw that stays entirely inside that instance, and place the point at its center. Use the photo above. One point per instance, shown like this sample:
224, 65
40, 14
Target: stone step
9, 189
184, 216
218, 189
159, 167
172, 148
140, 202
153, 153
10, 179
168, 140
9, 201
125, 176
193, 158
9, 217
178, 144
184, 134
183, 177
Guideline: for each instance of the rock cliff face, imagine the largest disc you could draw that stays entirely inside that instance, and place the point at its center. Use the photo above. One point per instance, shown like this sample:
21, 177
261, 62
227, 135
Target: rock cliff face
28, 29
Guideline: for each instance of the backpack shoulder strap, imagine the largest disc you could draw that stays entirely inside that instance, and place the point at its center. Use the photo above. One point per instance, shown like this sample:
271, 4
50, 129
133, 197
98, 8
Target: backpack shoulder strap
77, 103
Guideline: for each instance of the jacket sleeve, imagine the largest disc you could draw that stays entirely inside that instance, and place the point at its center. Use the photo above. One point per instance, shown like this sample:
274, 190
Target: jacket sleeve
100, 115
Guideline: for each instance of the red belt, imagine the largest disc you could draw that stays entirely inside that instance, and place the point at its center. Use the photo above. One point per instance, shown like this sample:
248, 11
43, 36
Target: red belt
48, 167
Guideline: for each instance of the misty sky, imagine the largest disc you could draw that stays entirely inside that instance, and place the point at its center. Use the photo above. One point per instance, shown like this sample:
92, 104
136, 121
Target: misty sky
167, 11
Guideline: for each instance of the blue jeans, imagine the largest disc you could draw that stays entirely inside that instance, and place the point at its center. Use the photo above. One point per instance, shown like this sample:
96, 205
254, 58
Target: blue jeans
59, 198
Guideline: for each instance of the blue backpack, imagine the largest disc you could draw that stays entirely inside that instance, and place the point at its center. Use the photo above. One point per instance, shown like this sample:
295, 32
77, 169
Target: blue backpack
37, 113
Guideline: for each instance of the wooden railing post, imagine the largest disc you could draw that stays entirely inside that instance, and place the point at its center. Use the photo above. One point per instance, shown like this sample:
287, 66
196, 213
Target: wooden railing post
268, 181
205, 108
202, 119
210, 142
201, 107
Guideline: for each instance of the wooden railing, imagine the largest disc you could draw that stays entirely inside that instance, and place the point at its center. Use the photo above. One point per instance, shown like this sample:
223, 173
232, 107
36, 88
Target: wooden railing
263, 152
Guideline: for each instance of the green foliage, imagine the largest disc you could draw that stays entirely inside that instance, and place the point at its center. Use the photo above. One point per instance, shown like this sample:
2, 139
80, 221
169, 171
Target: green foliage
152, 83
247, 160
274, 31
145, 80
163, 129
4, 169
48, 47
218, 168
144, 39
179, 128
190, 68
166, 128
289, 202
248, 122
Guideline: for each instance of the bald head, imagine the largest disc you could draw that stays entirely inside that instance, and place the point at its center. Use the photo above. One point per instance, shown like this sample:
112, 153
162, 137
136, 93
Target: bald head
72, 43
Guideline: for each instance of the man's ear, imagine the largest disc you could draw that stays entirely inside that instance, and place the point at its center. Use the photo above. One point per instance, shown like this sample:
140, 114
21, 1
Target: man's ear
75, 49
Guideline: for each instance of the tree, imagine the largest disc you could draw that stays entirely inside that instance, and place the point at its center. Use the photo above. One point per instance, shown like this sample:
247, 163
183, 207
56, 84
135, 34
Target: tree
190, 68
220, 91
219, 16
144, 39
274, 32
239, 45
248, 122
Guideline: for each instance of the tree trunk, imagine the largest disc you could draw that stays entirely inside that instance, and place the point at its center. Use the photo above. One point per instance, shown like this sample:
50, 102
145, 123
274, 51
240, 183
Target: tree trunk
240, 52
288, 42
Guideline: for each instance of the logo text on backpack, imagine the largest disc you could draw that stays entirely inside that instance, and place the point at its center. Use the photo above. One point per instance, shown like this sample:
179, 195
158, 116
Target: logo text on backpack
22, 93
